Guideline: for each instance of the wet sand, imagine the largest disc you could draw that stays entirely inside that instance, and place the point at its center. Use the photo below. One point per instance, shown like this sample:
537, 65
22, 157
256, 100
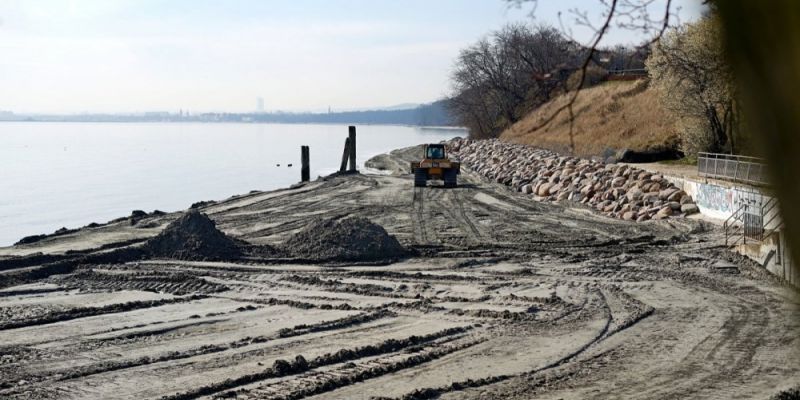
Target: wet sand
499, 296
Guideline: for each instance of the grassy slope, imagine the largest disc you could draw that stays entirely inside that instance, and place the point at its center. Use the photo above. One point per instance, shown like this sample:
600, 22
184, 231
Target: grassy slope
611, 115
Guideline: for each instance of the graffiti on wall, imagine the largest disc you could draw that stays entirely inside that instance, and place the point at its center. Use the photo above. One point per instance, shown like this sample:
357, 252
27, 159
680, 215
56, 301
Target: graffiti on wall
749, 197
714, 197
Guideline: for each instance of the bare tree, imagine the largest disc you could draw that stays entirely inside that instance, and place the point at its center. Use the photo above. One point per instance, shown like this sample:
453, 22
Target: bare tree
695, 81
628, 14
501, 77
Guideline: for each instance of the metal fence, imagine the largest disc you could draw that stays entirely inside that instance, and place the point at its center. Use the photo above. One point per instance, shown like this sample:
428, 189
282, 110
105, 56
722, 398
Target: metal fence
743, 169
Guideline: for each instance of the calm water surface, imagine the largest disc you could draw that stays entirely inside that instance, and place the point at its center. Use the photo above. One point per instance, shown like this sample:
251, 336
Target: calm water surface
71, 174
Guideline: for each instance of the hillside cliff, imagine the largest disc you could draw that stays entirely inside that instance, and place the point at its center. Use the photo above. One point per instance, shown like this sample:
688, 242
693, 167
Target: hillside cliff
608, 117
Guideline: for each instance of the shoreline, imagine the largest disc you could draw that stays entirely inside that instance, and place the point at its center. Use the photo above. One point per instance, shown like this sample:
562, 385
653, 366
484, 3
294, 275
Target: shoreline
146, 166
440, 127
489, 294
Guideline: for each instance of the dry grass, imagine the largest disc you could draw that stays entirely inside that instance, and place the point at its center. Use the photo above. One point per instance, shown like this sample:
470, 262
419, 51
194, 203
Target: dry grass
612, 115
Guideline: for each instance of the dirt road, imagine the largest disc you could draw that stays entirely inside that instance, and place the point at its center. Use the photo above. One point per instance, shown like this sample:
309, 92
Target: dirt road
504, 297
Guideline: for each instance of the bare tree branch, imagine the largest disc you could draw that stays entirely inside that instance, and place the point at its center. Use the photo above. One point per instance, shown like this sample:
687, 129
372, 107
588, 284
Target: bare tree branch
634, 12
584, 66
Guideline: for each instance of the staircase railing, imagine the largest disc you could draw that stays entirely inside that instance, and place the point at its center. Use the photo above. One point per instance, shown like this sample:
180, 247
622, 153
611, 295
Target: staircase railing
770, 220
744, 224
772, 216
733, 227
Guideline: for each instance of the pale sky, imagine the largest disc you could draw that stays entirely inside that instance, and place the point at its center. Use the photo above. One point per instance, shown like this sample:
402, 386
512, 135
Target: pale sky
69, 56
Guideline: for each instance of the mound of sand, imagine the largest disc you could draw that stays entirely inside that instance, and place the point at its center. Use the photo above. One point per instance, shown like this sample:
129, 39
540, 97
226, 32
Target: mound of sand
350, 239
398, 161
193, 236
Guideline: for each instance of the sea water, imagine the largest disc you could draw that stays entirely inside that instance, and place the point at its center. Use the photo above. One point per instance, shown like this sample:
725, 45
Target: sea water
55, 175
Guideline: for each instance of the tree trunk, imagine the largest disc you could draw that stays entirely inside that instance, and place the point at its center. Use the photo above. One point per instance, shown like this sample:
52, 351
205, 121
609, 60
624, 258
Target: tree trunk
718, 133
730, 126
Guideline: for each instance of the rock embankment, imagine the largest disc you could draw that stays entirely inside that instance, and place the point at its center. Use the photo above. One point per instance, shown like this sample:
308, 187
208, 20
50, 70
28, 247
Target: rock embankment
615, 190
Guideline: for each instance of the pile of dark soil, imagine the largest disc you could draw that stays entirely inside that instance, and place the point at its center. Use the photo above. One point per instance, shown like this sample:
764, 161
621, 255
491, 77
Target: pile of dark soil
35, 238
193, 236
788, 394
350, 239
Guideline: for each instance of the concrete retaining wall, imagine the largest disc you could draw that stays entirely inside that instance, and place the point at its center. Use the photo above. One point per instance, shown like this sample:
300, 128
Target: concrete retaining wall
720, 200
773, 254
714, 200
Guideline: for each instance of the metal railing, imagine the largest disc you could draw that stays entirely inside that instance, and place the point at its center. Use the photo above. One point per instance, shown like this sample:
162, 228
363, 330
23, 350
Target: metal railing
733, 227
771, 218
753, 222
743, 169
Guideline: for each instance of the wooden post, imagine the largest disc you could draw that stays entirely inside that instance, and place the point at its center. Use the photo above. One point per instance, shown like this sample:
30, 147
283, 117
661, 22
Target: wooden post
346, 152
305, 169
352, 137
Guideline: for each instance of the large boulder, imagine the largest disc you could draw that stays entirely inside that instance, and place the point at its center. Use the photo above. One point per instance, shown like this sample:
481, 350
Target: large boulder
634, 194
689, 209
664, 212
650, 197
527, 189
544, 189
666, 193
676, 196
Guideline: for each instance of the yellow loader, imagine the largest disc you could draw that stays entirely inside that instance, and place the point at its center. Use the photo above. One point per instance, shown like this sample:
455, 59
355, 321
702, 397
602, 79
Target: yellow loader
435, 165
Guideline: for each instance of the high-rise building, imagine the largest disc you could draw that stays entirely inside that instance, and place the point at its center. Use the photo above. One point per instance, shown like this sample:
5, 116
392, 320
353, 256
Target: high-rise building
260, 104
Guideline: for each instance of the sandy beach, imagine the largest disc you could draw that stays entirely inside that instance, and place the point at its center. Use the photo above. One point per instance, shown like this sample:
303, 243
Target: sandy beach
477, 292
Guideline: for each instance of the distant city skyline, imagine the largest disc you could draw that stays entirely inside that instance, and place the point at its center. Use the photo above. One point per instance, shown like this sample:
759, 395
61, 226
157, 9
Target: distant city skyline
124, 56
260, 104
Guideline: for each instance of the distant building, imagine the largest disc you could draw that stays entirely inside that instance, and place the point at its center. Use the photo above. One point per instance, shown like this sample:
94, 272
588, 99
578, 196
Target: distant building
10, 116
260, 104
155, 114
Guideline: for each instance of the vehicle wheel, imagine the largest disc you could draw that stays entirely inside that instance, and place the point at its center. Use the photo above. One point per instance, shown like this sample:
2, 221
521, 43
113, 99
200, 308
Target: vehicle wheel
420, 177
450, 178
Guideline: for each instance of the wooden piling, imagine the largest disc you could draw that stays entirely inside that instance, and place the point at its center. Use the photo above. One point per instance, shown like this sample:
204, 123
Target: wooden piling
305, 169
352, 137
345, 154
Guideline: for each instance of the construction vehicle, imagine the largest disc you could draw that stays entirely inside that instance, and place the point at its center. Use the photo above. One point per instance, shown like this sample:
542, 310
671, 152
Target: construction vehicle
435, 165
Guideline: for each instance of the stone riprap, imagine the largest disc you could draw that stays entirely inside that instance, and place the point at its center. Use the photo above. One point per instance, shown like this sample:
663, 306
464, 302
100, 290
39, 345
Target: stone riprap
616, 190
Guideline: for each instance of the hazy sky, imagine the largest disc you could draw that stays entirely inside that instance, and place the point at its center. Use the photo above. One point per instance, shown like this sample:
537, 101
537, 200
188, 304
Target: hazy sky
142, 55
